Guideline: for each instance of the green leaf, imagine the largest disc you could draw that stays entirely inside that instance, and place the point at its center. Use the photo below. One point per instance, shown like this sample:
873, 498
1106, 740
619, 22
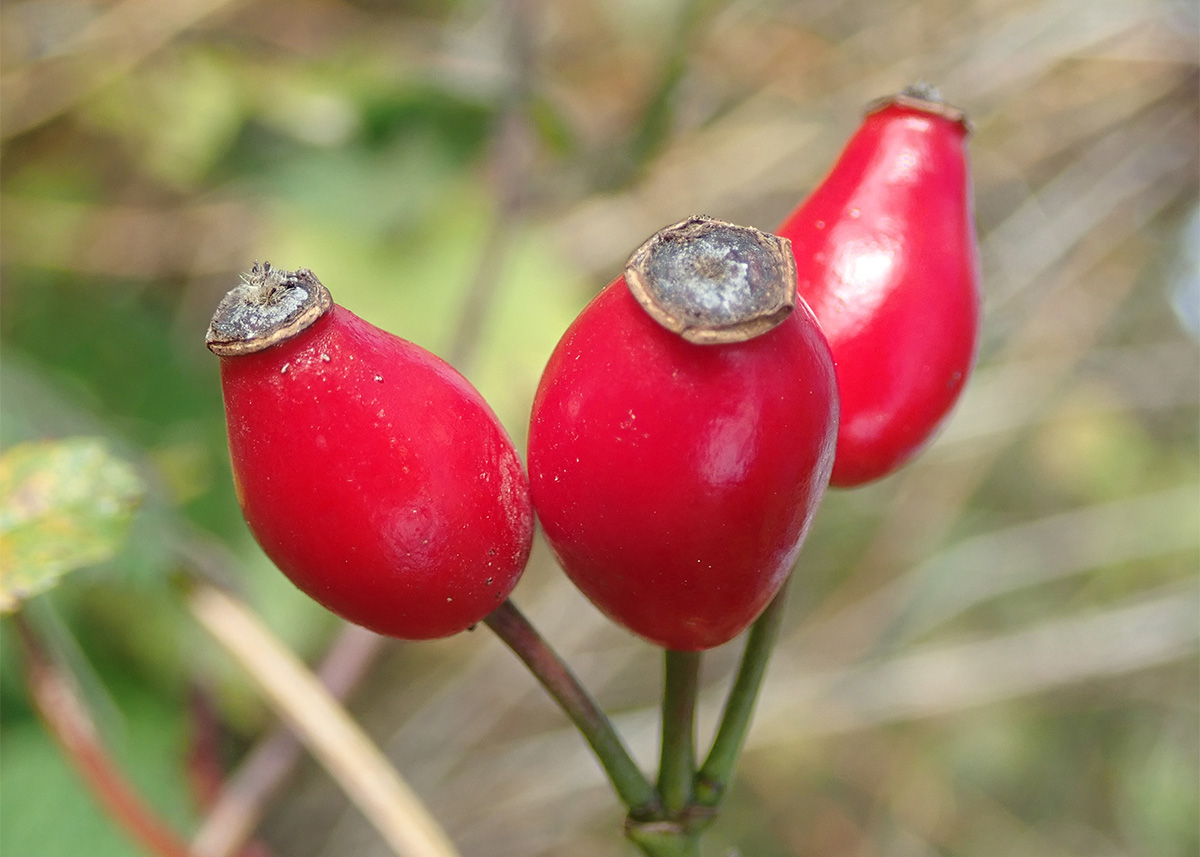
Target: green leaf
63, 505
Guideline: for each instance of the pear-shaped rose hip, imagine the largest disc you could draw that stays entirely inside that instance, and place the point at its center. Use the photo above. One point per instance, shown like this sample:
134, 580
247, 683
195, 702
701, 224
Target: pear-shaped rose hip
886, 257
369, 470
683, 433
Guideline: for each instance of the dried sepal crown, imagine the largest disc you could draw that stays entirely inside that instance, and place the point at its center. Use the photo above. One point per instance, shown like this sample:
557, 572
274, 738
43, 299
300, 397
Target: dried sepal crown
712, 281
268, 306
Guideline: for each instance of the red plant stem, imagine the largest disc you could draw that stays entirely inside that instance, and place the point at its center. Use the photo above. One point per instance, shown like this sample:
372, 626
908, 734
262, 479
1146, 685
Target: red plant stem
69, 722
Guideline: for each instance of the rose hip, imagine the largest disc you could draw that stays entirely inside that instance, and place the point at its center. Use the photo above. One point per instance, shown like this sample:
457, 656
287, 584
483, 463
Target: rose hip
886, 258
369, 470
682, 435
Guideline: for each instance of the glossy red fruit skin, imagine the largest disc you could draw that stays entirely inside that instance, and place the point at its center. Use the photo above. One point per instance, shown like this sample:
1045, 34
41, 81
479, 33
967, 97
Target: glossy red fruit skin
887, 259
377, 478
675, 482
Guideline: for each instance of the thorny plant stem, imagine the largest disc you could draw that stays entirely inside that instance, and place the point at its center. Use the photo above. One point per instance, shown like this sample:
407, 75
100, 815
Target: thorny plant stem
71, 725
631, 785
677, 762
713, 778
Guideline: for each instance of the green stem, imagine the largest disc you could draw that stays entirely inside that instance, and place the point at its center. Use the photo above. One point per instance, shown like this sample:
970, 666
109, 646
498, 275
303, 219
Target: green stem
666, 839
715, 773
631, 785
677, 765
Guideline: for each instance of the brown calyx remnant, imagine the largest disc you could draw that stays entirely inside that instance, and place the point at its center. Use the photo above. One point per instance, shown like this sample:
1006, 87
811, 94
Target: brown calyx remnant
925, 98
713, 282
269, 306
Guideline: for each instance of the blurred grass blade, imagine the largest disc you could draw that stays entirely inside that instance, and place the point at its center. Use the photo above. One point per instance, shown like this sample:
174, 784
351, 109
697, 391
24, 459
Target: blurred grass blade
1142, 632
64, 505
993, 564
335, 739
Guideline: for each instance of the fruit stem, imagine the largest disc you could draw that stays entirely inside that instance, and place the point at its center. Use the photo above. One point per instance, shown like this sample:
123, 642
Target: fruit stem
713, 778
630, 784
665, 839
677, 762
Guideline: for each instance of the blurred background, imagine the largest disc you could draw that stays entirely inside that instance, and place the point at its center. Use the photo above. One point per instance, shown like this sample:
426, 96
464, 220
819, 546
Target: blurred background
992, 653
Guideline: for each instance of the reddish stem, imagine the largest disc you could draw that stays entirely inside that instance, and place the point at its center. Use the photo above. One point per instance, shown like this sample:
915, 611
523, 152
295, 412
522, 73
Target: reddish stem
69, 722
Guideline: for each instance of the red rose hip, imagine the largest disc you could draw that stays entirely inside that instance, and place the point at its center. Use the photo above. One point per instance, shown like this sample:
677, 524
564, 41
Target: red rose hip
886, 257
682, 435
370, 471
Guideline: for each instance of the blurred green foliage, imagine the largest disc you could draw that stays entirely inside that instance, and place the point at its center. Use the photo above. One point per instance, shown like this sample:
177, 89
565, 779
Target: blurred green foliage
64, 505
48, 810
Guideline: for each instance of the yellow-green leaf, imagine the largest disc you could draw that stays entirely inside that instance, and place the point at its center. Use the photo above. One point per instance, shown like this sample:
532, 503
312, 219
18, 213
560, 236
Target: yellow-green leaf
63, 505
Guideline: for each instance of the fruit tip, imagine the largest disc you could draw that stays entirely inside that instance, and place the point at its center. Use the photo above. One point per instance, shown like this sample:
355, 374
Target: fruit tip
270, 305
923, 97
714, 282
